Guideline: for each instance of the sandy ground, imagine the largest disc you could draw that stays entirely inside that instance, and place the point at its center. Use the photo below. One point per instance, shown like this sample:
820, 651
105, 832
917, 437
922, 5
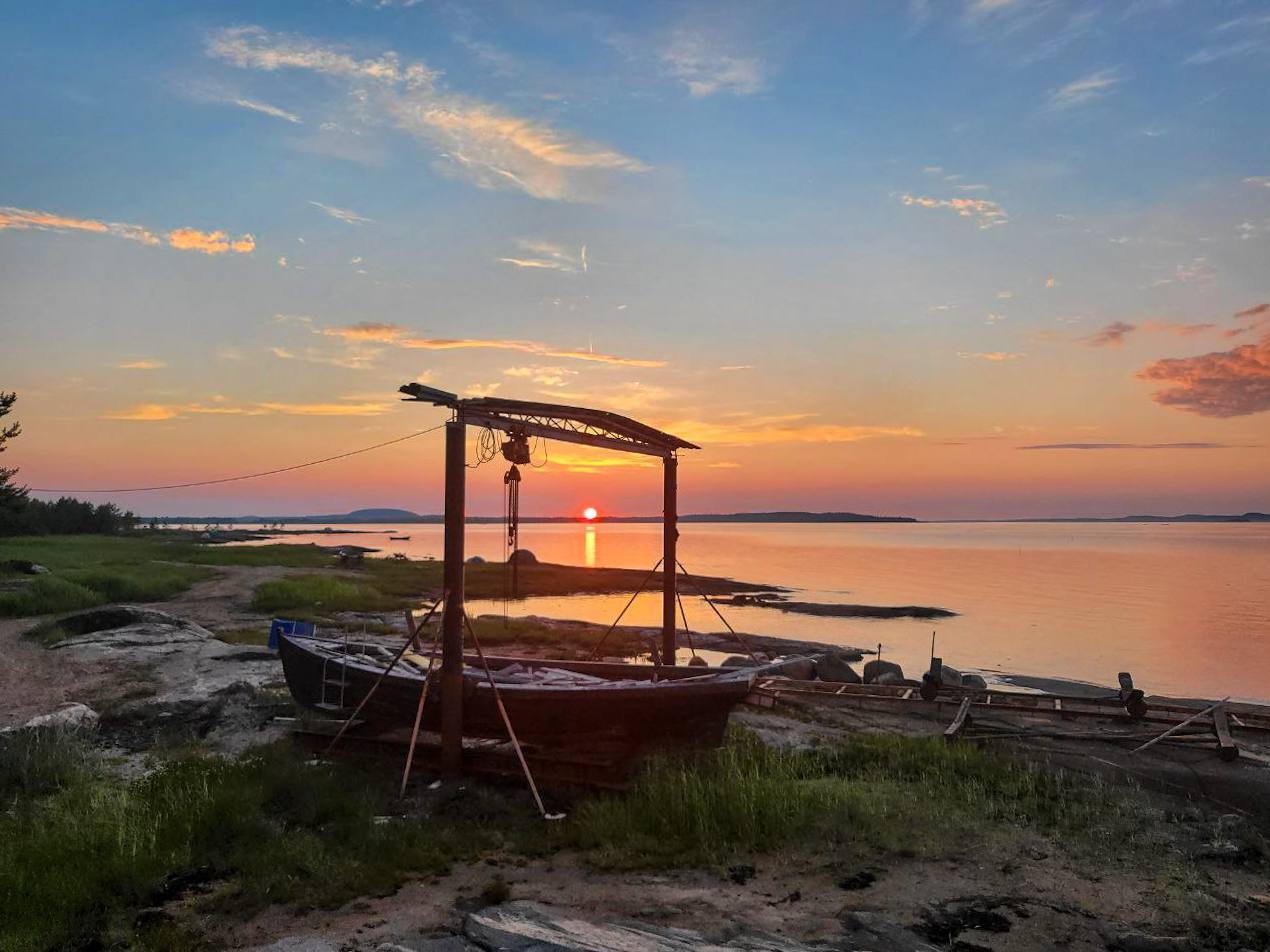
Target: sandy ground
1047, 900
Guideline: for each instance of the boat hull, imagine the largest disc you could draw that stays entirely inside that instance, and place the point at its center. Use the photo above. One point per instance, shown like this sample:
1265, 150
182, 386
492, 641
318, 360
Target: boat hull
644, 715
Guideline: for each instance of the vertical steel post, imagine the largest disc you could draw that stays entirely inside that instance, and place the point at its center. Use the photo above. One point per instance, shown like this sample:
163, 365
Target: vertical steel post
670, 535
452, 620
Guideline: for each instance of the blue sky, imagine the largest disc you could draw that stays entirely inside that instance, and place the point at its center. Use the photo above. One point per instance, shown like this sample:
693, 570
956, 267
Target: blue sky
889, 244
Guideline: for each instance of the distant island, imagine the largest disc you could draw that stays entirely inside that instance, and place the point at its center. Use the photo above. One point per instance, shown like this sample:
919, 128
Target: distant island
1188, 517
406, 517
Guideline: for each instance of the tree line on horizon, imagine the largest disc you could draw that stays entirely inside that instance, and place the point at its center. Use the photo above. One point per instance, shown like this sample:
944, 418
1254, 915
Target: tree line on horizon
22, 515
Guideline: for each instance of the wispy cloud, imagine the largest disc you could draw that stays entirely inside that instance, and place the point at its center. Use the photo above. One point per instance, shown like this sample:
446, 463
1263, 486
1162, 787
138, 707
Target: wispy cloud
1087, 89
158, 412
1130, 446
992, 356
1113, 335
144, 364
399, 336
696, 60
1223, 384
1247, 35
356, 359
472, 140
542, 376
265, 109
595, 463
481, 389
982, 211
547, 256
343, 214
1261, 180
185, 239
787, 428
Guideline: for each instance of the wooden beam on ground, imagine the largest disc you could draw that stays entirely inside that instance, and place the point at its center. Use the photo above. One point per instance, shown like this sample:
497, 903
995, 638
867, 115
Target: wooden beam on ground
953, 730
1221, 726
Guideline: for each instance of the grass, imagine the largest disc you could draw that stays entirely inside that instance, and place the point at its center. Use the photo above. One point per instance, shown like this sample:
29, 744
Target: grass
77, 864
248, 635
324, 594
92, 570
81, 853
873, 792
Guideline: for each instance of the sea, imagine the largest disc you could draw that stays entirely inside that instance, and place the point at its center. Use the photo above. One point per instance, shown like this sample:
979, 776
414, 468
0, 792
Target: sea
1183, 607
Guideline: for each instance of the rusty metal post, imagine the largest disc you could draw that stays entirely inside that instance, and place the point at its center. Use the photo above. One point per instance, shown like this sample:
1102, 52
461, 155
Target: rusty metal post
670, 535
452, 620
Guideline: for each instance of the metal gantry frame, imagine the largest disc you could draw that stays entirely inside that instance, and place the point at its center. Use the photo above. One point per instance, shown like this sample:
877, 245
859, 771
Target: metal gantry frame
588, 427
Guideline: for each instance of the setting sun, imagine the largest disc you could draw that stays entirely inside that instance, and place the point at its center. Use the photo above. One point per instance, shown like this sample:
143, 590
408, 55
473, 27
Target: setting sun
589, 513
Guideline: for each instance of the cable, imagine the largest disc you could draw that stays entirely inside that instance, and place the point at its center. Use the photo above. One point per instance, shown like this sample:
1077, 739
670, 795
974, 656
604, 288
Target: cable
232, 479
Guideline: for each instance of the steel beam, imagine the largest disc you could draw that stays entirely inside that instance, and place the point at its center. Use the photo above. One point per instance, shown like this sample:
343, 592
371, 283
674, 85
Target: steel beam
452, 619
670, 536
533, 428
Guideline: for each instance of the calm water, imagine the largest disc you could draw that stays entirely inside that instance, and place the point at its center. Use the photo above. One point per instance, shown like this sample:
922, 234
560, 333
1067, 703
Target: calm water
1184, 607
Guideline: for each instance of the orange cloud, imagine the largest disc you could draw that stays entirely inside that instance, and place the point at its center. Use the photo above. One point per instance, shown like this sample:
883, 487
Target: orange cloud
155, 412
141, 365
210, 242
395, 334
789, 428
186, 239
1115, 333
1227, 383
986, 213
996, 356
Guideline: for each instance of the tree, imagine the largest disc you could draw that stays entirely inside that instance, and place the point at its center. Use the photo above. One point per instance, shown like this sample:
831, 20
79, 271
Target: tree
13, 499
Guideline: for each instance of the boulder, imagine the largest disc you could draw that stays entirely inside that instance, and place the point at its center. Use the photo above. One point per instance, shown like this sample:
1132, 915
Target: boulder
475, 560
874, 669
523, 926
1141, 942
738, 661
974, 682
799, 669
950, 676
895, 680
834, 667
523, 557
71, 715
696, 661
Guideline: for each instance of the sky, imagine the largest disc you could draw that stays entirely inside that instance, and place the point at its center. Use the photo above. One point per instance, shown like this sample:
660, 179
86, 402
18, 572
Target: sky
961, 259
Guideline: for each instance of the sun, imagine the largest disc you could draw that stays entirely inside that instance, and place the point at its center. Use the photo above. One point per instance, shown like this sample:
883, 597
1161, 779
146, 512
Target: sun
589, 513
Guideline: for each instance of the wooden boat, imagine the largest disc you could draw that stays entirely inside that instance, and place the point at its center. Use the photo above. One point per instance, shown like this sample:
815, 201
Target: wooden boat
550, 703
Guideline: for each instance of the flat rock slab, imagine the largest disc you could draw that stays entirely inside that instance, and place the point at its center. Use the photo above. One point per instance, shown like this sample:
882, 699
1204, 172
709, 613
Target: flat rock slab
530, 927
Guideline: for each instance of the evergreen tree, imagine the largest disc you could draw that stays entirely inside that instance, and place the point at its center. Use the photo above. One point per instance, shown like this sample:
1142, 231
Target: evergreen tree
13, 501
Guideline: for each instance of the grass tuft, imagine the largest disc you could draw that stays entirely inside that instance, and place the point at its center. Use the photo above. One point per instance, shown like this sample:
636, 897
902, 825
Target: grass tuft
323, 594
874, 792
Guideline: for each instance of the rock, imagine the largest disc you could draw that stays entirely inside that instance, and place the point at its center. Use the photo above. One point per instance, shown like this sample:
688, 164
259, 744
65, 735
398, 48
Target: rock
944, 921
834, 667
69, 715
890, 677
877, 667
523, 557
1141, 942
974, 682
25, 567
871, 931
696, 661
529, 927
950, 677
300, 943
738, 661
799, 669
475, 560
449, 943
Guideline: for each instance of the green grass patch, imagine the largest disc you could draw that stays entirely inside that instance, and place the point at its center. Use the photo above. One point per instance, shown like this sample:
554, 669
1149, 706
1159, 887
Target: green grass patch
565, 641
872, 793
34, 763
76, 865
44, 594
321, 594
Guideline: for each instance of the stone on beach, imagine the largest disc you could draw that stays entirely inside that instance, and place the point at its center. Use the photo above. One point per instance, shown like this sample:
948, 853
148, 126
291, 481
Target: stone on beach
834, 668
974, 681
874, 671
72, 715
